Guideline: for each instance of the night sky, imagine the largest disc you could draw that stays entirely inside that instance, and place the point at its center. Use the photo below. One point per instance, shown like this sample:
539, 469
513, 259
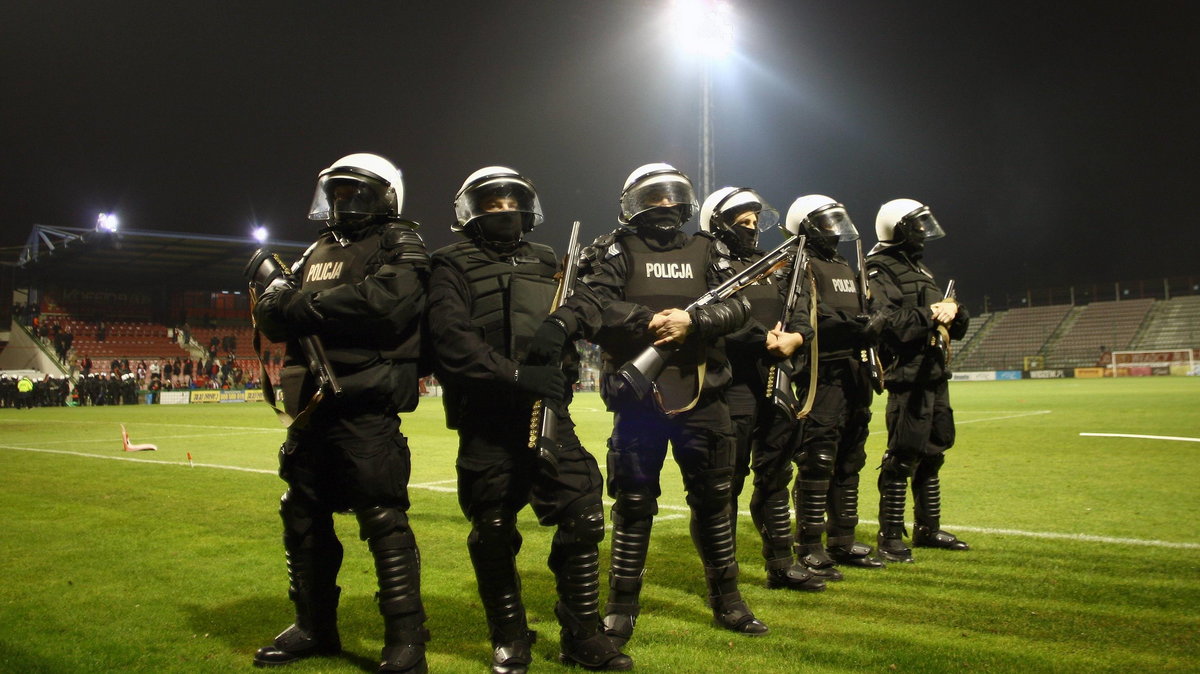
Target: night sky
1056, 142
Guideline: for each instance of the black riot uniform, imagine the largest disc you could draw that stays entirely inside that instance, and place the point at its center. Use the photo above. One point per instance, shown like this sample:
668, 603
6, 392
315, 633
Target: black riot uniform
650, 267
920, 420
362, 291
765, 434
488, 296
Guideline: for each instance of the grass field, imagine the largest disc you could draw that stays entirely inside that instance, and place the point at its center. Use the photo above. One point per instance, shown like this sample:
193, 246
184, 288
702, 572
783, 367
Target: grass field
1085, 551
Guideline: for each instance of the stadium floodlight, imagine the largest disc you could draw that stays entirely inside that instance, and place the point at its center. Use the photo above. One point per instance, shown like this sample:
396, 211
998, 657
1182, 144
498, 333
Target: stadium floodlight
260, 234
703, 28
107, 222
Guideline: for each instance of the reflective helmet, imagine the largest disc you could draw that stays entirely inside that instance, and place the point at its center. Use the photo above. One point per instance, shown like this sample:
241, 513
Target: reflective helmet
823, 220
722, 207
656, 185
356, 190
905, 220
493, 189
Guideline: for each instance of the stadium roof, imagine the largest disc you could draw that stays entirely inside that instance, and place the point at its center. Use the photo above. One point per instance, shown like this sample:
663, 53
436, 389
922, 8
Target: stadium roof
141, 257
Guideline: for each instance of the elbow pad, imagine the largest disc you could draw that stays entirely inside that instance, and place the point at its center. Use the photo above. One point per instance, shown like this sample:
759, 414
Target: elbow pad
721, 318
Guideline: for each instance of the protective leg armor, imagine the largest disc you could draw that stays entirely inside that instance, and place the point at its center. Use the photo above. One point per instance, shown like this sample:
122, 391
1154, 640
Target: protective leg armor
314, 556
893, 483
398, 571
493, 544
927, 499
633, 518
773, 518
575, 562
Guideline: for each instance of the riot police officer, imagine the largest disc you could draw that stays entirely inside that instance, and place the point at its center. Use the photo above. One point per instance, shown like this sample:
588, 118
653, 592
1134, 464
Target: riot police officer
361, 289
833, 442
639, 278
734, 216
916, 336
488, 296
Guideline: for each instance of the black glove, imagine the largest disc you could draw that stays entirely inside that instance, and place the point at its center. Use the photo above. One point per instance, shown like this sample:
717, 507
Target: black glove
547, 344
543, 381
297, 309
871, 326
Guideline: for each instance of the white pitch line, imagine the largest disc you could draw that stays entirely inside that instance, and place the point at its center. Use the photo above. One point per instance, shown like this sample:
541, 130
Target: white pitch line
1143, 437
155, 438
436, 487
1010, 416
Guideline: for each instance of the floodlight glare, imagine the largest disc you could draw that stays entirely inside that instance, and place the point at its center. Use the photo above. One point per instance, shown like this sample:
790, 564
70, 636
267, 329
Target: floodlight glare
260, 234
703, 27
107, 222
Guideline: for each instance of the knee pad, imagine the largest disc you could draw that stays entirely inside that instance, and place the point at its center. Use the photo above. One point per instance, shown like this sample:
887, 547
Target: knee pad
302, 519
897, 466
710, 490
379, 524
633, 506
585, 525
818, 460
494, 527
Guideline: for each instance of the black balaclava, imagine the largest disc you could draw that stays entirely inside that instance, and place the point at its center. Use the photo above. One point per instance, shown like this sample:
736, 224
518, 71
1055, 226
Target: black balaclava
501, 231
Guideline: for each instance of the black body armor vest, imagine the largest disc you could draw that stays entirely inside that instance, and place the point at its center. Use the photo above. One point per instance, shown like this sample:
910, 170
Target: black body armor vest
837, 290
509, 298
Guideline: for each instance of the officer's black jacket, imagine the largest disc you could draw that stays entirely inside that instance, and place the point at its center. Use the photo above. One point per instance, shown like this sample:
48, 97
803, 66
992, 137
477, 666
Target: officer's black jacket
906, 347
369, 325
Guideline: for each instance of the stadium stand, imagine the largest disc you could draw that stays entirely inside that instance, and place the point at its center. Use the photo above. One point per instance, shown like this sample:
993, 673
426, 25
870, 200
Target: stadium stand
1013, 335
1172, 324
1099, 327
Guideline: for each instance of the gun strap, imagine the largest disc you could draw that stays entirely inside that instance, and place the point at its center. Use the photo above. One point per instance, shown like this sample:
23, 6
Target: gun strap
812, 350
944, 332
268, 389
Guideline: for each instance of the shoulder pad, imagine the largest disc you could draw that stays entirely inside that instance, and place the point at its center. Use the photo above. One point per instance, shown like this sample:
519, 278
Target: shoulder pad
722, 263
299, 263
604, 247
721, 249
402, 240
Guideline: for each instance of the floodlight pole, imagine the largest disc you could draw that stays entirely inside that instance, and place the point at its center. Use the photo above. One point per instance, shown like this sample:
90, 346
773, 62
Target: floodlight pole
707, 162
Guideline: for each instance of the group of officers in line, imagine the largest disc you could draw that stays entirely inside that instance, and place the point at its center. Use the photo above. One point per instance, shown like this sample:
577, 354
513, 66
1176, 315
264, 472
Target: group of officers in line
385, 312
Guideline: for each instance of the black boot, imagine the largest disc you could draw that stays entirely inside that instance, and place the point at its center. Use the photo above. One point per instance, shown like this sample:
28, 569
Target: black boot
848, 552
927, 498
729, 609
313, 634
582, 641
890, 542
793, 577
630, 541
813, 557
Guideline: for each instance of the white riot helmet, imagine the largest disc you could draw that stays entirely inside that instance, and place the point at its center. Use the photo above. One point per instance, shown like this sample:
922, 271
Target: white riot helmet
722, 207
823, 220
905, 221
657, 185
496, 189
357, 189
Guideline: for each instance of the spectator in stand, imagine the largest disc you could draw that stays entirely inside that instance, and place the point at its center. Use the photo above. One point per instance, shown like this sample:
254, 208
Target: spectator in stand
101, 331
188, 365
85, 365
115, 366
141, 372
178, 372
168, 371
68, 339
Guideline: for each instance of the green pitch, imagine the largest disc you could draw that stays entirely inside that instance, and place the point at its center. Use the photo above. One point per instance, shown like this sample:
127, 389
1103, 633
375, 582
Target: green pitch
1085, 553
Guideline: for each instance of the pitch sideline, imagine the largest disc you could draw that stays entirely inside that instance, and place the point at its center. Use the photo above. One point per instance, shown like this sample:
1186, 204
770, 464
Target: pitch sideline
438, 486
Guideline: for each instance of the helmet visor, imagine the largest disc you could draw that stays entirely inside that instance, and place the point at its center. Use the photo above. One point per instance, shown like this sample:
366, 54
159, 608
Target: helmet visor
666, 190
734, 210
343, 194
500, 194
833, 223
920, 225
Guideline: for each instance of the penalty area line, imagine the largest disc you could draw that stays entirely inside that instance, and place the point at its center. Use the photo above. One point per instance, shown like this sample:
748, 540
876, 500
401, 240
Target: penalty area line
1142, 437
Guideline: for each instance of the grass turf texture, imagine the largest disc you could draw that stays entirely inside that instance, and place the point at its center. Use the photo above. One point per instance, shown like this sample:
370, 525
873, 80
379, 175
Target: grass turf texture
124, 565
